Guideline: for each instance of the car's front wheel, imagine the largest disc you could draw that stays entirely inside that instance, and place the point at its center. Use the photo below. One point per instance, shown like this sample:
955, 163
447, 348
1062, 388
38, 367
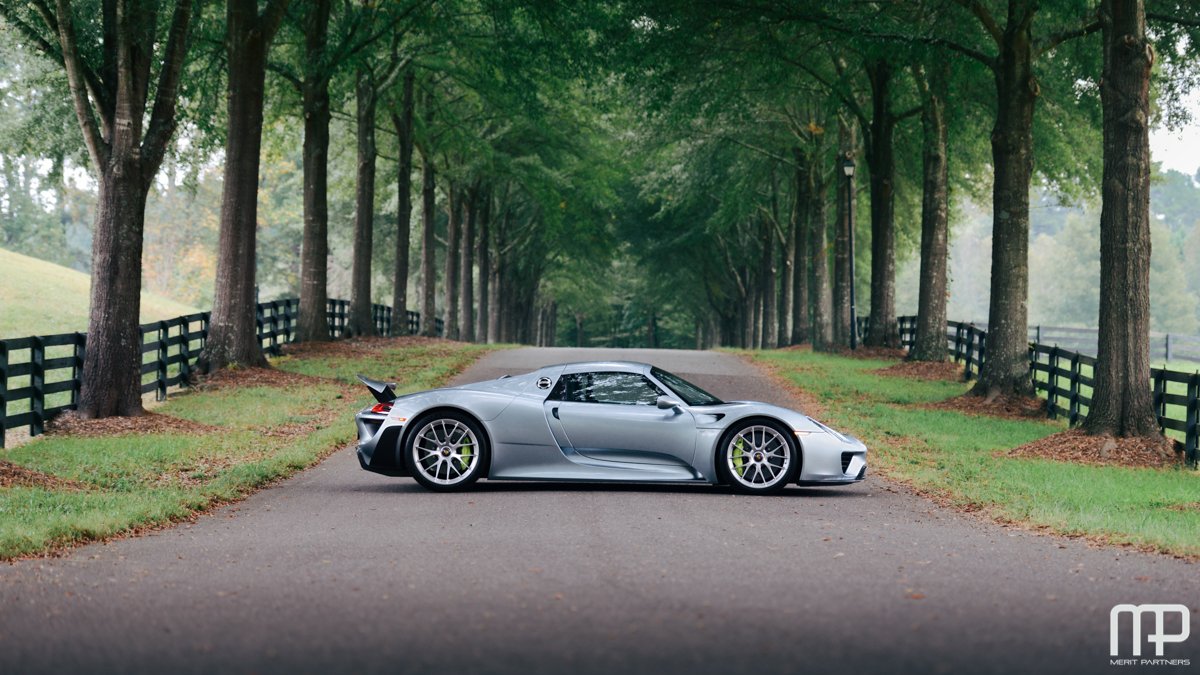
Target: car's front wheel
758, 457
447, 451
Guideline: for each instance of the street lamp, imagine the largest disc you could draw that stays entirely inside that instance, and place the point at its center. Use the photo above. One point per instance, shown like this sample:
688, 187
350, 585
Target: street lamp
848, 171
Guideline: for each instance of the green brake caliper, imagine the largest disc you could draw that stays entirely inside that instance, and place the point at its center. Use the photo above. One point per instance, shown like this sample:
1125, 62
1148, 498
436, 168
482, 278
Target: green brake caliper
739, 459
465, 458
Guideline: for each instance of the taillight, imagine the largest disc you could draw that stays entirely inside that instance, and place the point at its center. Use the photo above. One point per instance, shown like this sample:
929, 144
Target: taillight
381, 408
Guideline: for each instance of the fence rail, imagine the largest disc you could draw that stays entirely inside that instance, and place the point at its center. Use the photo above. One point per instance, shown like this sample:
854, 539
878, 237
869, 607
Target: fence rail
1164, 347
41, 376
1065, 378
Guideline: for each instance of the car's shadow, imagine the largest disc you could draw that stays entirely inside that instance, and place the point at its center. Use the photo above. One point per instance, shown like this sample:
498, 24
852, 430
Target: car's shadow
408, 485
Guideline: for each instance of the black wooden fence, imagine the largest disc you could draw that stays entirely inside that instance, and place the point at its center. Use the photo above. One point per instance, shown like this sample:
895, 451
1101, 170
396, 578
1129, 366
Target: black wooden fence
1065, 378
40, 376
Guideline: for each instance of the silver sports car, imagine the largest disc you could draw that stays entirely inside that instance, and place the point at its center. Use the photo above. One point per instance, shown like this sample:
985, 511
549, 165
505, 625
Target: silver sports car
598, 421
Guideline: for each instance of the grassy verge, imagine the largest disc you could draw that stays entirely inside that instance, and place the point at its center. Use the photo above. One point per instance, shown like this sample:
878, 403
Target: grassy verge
226, 440
959, 458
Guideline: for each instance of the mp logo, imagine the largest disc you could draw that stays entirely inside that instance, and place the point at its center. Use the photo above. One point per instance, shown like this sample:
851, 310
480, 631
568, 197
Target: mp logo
1159, 637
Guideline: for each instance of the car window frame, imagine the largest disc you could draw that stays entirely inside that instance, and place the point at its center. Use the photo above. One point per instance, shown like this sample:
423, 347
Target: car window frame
557, 393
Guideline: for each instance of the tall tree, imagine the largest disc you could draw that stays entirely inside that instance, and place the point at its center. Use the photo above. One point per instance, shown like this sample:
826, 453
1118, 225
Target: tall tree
800, 222
360, 321
232, 330
109, 62
847, 150
1017, 47
314, 247
428, 231
930, 342
879, 135
454, 212
822, 300
1121, 402
466, 266
483, 254
373, 76
402, 121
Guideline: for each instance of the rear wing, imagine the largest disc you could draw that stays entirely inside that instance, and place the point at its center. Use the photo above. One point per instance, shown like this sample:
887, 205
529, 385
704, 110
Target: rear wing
384, 392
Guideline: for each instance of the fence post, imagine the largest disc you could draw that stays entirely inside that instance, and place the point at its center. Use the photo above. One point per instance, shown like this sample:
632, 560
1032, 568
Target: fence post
1189, 443
161, 393
1073, 413
1160, 390
1038, 335
77, 368
1052, 381
274, 341
970, 348
3, 391
37, 381
185, 352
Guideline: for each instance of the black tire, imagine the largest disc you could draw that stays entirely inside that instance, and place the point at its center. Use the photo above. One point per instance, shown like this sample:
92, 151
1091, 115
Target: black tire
767, 466
436, 455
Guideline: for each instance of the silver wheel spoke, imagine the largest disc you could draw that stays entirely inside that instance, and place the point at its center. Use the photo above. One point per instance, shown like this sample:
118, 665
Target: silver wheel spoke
438, 451
764, 458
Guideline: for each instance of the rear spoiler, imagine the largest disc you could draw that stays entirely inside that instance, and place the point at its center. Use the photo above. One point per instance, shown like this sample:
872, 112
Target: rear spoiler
384, 392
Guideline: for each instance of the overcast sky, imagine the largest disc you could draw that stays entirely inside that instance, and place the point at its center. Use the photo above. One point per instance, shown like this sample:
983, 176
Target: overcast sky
1179, 150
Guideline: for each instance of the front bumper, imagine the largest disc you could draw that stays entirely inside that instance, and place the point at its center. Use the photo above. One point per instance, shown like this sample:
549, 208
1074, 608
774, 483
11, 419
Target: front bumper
379, 444
831, 459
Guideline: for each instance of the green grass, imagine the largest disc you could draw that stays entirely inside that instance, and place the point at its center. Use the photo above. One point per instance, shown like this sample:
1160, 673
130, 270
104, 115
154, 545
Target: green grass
125, 482
28, 284
959, 458
413, 366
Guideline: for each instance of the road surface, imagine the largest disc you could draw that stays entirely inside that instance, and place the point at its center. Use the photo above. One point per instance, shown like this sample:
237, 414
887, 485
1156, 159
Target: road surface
340, 570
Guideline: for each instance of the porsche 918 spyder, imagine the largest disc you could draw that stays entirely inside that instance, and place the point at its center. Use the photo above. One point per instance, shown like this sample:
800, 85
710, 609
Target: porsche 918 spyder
604, 421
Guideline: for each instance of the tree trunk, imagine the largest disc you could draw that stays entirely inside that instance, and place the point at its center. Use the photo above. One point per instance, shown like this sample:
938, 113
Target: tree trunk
799, 227
112, 364
360, 321
847, 146
403, 122
495, 315
822, 326
787, 286
466, 267
484, 256
1121, 401
428, 240
126, 150
930, 343
754, 339
232, 330
314, 249
884, 331
1006, 365
770, 323
454, 212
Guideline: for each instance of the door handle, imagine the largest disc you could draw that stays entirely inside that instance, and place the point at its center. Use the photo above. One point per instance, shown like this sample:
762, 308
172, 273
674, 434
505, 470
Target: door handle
554, 411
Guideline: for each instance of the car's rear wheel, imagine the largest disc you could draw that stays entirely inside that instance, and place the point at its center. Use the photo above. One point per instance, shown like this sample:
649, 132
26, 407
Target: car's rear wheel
758, 457
447, 451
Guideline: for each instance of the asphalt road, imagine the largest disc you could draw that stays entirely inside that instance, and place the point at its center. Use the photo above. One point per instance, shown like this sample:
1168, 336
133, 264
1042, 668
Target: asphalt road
339, 570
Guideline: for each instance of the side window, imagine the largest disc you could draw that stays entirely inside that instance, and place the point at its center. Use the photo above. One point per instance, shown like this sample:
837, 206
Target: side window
618, 388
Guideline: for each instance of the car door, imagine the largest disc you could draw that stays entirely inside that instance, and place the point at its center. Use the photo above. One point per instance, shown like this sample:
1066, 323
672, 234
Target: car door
612, 416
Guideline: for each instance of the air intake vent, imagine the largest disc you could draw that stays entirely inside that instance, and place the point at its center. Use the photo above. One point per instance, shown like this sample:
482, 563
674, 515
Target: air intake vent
846, 456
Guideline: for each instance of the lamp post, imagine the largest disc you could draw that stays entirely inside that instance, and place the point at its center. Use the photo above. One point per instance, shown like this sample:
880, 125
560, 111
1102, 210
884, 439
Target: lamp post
848, 171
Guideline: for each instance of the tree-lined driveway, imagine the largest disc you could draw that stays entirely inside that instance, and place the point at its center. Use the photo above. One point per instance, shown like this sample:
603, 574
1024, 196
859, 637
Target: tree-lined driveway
339, 570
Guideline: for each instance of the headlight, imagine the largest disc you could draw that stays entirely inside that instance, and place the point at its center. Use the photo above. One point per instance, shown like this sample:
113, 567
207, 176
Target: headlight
830, 430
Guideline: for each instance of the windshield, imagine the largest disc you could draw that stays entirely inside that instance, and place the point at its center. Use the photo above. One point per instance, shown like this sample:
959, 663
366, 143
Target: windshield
690, 393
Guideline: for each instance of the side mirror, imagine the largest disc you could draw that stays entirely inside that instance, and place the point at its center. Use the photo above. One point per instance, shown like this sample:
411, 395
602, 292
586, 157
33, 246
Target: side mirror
667, 403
